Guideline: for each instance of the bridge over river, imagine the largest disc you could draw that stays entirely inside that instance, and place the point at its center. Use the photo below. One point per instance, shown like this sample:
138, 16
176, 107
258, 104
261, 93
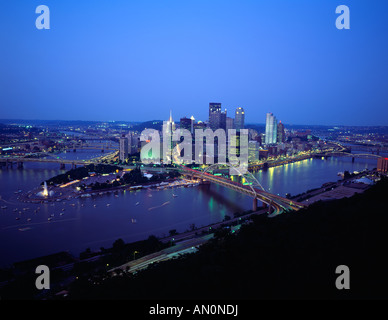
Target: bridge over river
276, 204
48, 158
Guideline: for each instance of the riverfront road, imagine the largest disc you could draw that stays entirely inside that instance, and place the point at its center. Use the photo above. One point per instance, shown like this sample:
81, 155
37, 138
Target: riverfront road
182, 247
184, 243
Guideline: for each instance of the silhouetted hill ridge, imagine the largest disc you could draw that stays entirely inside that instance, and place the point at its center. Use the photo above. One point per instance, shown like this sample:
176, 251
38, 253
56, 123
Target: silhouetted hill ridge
293, 256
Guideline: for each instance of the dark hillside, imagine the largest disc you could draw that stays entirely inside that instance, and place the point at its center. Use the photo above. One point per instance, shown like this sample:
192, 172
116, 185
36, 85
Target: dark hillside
291, 256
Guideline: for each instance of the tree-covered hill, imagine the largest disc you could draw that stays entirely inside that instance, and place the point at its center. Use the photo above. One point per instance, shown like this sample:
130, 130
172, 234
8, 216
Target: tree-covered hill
293, 255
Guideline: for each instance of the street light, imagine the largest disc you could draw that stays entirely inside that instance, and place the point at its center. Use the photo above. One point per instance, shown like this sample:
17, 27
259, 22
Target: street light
134, 254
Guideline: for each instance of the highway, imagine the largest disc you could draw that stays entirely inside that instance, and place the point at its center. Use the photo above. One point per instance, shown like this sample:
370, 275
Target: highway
179, 248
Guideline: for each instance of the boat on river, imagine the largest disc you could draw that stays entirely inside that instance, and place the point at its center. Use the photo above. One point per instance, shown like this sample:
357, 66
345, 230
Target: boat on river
24, 229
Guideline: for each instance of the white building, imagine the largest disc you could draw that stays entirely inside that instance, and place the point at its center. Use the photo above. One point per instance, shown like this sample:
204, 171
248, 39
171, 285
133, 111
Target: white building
271, 129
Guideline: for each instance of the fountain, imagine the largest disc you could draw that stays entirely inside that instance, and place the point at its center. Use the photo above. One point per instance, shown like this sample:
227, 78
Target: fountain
45, 193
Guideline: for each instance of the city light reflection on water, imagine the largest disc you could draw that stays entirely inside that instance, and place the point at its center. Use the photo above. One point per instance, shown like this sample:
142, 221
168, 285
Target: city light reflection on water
91, 223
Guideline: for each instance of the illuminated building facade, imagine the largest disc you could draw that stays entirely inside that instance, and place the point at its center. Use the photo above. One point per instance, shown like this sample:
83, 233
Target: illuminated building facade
239, 118
270, 129
382, 165
123, 153
281, 135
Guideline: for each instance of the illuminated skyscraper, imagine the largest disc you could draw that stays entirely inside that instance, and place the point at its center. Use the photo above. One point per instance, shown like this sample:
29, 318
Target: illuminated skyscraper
221, 120
123, 153
270, 129
168, 144
188, 124
281, 135
170, 124
229, 124
214, 115
239, 118
133, 142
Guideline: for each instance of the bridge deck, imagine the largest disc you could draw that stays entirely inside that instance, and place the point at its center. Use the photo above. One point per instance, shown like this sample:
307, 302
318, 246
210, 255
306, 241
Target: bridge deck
266, 197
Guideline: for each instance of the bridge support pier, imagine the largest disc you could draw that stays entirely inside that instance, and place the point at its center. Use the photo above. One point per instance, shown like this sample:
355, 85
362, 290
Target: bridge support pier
20, 165
73, 166
270, 209
353, 160
265, 205
62, 166
254, 206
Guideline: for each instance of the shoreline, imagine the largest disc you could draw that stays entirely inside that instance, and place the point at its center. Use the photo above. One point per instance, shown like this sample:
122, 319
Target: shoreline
200, 231
72, 194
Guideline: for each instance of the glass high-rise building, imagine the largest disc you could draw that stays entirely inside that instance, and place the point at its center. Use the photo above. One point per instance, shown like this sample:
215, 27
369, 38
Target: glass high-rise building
239, 118
123, 153
229, 124
187, 123
281, 135
215, 115
271, 129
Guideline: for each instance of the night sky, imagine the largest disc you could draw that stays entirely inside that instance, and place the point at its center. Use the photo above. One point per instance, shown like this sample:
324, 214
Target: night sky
136, 60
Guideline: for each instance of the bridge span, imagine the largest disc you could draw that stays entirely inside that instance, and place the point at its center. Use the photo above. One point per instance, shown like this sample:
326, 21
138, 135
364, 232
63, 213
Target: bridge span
276, 204
9, 161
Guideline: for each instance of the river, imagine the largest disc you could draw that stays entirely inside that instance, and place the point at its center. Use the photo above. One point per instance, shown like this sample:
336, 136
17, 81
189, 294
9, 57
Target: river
98, 221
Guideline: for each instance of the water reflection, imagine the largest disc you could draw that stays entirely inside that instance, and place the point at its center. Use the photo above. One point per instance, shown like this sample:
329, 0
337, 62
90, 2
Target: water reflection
91, 223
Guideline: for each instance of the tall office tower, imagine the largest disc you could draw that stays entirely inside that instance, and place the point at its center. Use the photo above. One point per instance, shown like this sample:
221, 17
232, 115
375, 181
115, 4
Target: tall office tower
192, 124
185, 123
253, 151
270, 129
239, 118
123, 153
281, 135
214, 115
229, 124
170, 125
188, 124
168, 143
133, 142
222, 120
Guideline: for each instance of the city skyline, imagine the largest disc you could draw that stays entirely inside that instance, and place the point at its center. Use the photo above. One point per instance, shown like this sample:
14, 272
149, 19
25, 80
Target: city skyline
129, 60
150, 149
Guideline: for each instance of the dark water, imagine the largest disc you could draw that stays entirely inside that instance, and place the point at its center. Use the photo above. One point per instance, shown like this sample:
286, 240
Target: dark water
91, 223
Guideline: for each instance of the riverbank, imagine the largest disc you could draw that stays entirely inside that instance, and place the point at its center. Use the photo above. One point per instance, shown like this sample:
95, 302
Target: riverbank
67, 266
72, 190
292, 256
98, 220
343, 188
320, 237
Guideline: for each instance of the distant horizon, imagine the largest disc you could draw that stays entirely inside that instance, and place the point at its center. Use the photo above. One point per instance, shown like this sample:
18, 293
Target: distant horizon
136, 59
176, 121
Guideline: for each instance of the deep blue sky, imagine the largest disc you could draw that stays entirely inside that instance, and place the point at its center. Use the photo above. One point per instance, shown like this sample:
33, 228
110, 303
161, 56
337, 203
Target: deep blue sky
136, 60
